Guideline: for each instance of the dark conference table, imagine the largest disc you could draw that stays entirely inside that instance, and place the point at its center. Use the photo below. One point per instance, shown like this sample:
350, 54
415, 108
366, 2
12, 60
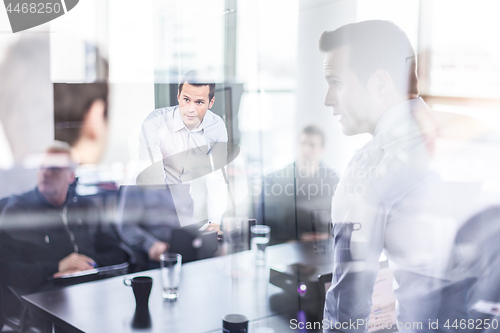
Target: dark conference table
209, 289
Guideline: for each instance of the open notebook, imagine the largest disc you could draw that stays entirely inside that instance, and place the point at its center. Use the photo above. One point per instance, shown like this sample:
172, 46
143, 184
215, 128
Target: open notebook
105, 271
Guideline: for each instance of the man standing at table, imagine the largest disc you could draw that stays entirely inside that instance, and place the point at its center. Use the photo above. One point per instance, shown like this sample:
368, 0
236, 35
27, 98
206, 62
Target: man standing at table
392, 198
171, 132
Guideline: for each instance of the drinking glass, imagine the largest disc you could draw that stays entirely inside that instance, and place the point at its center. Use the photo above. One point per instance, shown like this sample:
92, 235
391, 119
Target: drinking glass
322, 230
261, 234
235, 230
170, 275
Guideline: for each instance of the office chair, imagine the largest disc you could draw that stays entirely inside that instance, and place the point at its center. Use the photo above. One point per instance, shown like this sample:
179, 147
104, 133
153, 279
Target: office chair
3, 203
477, 247
14, 312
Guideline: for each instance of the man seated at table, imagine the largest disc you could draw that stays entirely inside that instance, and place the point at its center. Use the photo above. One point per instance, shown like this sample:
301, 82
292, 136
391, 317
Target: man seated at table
296, 215
146, 217
52, 231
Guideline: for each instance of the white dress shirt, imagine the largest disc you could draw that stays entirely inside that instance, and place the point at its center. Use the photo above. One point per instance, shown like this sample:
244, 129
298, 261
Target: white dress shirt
165, 135
405, 209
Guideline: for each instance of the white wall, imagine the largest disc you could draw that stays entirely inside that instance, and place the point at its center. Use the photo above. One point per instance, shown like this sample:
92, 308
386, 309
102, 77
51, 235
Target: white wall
314, 18
131, 74
124, 34
6, 35
404, 13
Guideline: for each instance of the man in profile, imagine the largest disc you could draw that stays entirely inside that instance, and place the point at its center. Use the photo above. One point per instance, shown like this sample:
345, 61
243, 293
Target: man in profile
169, 137
51, 231
392, 187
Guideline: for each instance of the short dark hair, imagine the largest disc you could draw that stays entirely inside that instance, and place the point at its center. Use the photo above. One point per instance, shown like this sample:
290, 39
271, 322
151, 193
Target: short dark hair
315, 130
376, 45
198, 79
72, 101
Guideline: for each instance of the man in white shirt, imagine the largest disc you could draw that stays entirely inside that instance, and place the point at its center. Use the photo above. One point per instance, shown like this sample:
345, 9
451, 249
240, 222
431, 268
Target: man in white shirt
181, 136
392, 198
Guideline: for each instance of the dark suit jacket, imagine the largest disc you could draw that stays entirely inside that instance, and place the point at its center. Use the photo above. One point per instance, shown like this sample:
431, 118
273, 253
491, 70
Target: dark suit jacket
35, 236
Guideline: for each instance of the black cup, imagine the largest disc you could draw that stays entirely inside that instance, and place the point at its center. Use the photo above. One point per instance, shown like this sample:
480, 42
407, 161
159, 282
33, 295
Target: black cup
142, 318
235, 323
141, 285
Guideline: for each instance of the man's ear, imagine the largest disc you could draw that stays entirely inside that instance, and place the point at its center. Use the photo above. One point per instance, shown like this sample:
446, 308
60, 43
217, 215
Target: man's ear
380, 82
95, 122
178, 100
211, 103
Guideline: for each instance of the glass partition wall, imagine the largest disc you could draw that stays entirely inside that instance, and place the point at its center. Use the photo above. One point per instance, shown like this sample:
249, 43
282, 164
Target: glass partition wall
287, 151
251, 54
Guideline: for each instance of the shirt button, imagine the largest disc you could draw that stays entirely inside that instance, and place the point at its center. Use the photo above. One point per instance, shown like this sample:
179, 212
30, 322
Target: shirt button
74, 199
47, 240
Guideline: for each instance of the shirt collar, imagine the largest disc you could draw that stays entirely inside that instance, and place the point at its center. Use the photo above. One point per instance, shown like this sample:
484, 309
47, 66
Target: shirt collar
396, 115
398, 122
179, 124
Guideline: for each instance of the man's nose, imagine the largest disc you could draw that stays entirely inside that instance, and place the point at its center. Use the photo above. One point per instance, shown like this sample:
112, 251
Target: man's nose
190, 108
46, 172
331, 98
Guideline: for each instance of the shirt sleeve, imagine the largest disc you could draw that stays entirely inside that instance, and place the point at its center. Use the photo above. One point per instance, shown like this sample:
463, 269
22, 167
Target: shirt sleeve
150, 139
130, 213
137, 237
150, 154
109, 251
359, 228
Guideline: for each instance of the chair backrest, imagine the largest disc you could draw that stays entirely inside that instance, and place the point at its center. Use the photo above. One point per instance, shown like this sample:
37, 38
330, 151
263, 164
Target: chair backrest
12, 312
477, 248
192, 244
3, 203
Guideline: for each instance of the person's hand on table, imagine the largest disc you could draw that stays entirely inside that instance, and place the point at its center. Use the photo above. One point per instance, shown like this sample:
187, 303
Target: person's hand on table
314, 236
156, 250
214, 227
74, 263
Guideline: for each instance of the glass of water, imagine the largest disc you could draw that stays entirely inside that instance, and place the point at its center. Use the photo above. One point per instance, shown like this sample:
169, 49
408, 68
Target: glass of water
235, 233
261, 234
322, 230
170, 275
